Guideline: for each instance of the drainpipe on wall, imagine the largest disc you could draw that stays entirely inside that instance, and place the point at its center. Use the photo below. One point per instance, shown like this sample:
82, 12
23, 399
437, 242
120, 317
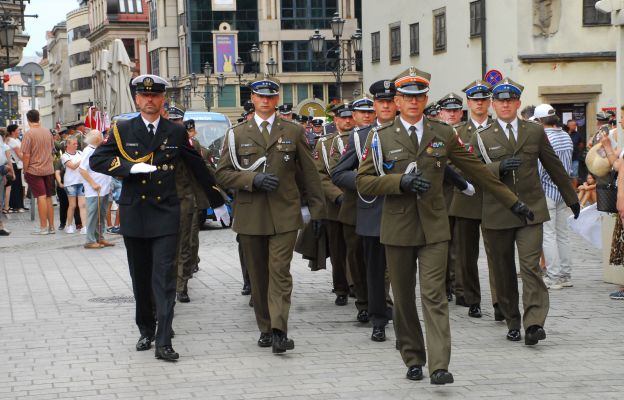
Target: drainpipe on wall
483, 41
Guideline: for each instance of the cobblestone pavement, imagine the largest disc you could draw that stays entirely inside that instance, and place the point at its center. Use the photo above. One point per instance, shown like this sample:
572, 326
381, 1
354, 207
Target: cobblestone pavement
57, 342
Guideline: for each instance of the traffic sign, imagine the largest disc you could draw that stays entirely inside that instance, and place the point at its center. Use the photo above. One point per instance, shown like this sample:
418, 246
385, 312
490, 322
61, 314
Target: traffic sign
39, 91
28, 70
493, 76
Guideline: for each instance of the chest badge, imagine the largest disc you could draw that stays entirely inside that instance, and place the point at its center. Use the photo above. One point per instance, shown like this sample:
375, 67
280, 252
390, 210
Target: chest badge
286, 157
429, 150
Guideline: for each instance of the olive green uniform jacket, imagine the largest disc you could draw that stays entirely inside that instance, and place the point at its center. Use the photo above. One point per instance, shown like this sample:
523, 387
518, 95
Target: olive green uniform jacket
267, 213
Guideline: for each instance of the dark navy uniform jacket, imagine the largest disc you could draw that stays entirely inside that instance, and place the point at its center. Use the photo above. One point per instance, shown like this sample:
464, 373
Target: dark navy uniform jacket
149, 202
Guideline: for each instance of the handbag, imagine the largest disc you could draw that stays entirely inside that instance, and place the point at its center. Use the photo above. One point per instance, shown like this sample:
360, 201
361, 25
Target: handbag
606, 194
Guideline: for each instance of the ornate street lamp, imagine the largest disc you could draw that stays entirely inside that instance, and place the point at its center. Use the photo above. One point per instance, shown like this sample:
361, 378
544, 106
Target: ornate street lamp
194, 79
356, 40
239, 67
271, 67
174, 85
254, 54
337, 25
221, 82
187, 95
317, 40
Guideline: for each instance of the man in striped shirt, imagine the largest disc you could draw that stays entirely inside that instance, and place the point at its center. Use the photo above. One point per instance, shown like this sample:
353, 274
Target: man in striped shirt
556, 247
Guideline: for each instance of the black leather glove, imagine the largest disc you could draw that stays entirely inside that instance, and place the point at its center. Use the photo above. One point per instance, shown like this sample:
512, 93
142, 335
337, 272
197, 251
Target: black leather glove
338, 200
266, 182
414, 183
576, 209
317, 227
510, 164
522, 210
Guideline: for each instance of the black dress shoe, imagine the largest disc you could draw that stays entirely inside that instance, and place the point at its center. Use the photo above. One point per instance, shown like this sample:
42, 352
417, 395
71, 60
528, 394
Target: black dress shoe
397, 345
281, 343
246, 289
379, 334
414, 373
441, 377
172, 334
341, 300
498, 314
351, 293
166, 353
183, 297
449, 296
475, 311
251, 302
460, 301
266, 340
534, 334
514, 335
144, 343
362, 316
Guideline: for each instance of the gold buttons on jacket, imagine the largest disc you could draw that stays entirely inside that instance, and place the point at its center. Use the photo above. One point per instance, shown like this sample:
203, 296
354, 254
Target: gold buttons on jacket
157, 198
159, 182
144, 181
142, 197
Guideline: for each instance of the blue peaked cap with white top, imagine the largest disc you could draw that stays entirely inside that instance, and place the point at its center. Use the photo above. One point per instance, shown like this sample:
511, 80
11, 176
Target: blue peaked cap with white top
265, 87
507, 89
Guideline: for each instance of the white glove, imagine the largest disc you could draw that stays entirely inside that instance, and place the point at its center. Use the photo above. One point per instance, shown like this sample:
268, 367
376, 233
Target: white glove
142, 168
305, 213
222, 215
470, 190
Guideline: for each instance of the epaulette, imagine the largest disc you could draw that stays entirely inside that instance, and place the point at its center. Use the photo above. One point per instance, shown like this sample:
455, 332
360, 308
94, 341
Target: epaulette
460, 124
483, 128
438, 121
384, 126
288, 121
533, 122
238, 124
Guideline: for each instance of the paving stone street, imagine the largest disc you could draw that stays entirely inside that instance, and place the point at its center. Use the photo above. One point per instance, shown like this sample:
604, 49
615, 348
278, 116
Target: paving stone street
67, 331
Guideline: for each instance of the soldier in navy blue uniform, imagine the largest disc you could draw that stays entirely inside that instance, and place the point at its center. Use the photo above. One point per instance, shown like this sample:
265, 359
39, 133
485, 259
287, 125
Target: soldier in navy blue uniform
145, 151
368, 214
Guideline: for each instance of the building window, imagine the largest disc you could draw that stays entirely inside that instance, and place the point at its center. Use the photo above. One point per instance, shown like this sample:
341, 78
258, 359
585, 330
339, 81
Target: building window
153, 20
287, 93
227, 97
297, 56
80, 84
307, 14
439, 30
302, 92
79, 59
475, 18
131, 6
129, 45
78, 32
375, 57
317, 91
155, 62
414, 30
593, 17
395, 43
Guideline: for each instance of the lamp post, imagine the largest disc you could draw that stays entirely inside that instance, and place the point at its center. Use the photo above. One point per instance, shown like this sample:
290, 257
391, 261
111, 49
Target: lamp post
7, 38
254, 55
271, 67
174, 86
221, 82
208, 88
187, 96
333, 56
194, 80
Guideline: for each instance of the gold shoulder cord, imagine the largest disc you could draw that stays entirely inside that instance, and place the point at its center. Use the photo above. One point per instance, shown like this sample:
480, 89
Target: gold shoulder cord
125, 155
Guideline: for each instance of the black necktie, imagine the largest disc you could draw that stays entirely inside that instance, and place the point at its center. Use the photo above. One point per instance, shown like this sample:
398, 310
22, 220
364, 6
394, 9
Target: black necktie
151, 129
414, 136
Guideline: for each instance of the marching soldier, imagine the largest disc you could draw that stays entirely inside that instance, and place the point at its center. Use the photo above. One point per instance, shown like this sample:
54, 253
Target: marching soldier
285, 111
369, 210
326, 154
405, 161
363, 117
258, 160
192, 199
511, 149
432, 111
451, 112
467, 211
146, 151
